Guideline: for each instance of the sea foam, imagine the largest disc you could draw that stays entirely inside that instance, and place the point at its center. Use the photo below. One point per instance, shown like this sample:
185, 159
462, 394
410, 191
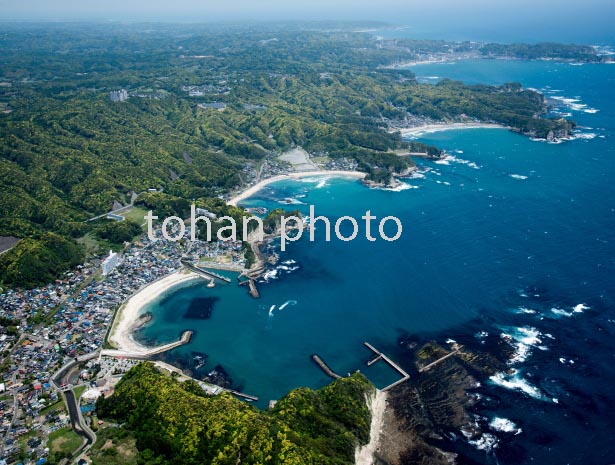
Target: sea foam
486, 442
504, 425
515, 382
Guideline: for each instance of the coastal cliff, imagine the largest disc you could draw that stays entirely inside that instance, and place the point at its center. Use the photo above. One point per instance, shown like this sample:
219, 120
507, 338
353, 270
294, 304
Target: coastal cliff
177, 423
345, 422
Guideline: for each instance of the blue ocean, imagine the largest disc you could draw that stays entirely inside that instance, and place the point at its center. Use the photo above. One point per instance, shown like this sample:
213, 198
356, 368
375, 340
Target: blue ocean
504, 236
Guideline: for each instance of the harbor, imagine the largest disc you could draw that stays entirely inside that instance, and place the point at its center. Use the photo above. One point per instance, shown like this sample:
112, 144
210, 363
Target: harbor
205, 272
395, 366
145, 353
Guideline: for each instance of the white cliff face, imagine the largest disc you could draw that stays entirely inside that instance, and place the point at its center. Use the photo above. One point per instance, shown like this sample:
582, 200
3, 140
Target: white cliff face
364, 455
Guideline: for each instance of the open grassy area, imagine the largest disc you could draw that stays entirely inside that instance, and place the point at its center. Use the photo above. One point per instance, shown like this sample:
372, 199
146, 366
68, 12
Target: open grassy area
62, 444
114, 446
79, 390
58, 405
135, 214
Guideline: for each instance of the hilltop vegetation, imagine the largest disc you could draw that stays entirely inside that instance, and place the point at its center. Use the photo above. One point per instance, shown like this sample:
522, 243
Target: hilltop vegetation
177, 423
68, 152
39, 260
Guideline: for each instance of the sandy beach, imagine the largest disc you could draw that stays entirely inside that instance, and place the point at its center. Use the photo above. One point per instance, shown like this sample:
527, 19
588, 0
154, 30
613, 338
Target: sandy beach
430, 128
255, 188
126, 321
409, 63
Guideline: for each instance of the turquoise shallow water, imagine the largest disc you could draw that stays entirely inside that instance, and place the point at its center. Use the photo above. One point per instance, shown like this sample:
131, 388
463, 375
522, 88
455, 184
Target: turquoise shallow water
505, 223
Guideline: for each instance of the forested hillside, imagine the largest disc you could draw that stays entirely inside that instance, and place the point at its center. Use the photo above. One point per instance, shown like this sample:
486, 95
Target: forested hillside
177, 423
68, 152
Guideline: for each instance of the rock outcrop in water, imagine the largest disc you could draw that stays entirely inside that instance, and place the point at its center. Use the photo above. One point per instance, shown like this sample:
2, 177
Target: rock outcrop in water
423, 412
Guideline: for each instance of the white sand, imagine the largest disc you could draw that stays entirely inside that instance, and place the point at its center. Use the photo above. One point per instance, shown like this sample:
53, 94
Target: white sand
125, 322
364, 455
429, 128
255, 188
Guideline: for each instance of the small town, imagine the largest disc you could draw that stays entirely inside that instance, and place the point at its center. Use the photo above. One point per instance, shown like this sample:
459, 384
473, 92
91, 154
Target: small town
43, 329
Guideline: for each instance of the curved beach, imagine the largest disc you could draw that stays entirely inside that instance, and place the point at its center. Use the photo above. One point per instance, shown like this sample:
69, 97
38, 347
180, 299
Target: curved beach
127, 319
258, 186
430, 128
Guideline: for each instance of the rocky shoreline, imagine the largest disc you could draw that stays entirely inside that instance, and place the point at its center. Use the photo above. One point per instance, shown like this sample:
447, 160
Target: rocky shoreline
425, 412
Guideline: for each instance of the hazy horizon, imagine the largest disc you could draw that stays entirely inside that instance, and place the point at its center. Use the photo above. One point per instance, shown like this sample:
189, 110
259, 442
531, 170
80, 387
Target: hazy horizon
479, 19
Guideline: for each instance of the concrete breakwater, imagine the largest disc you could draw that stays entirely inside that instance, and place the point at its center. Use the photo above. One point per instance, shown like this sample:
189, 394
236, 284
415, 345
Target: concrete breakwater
204, 272
147, 353
321, 363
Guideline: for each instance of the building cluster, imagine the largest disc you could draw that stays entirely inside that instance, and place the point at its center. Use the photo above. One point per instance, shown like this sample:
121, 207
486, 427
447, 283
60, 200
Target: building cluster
110, 262
205, 89
56, 323
118, 95
341, 164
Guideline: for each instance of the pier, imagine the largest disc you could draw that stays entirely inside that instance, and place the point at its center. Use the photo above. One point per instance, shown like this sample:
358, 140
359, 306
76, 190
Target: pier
147, 353
321, 363
456, 349
241, 394
395, 366
204, 272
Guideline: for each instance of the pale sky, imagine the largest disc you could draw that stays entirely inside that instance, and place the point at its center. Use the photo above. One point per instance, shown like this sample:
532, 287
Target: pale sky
539, 17
290, 9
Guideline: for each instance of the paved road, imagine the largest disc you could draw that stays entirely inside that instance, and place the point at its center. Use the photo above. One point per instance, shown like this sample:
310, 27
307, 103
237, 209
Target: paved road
76, 420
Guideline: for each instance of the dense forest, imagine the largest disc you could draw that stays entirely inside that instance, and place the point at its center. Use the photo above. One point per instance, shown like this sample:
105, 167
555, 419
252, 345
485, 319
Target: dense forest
177, 423
67, 152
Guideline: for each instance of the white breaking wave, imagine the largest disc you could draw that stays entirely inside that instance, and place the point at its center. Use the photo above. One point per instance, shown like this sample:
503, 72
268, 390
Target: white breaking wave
486, 442
448, 159
400, 187
416, 175
579, 308
584, 135
574, 104
287, 303
291, 201
560, 312
271, 274
528, 311
320, 181
518, 176
287, 268
504, 425
522, 339
271, 310
515, 382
